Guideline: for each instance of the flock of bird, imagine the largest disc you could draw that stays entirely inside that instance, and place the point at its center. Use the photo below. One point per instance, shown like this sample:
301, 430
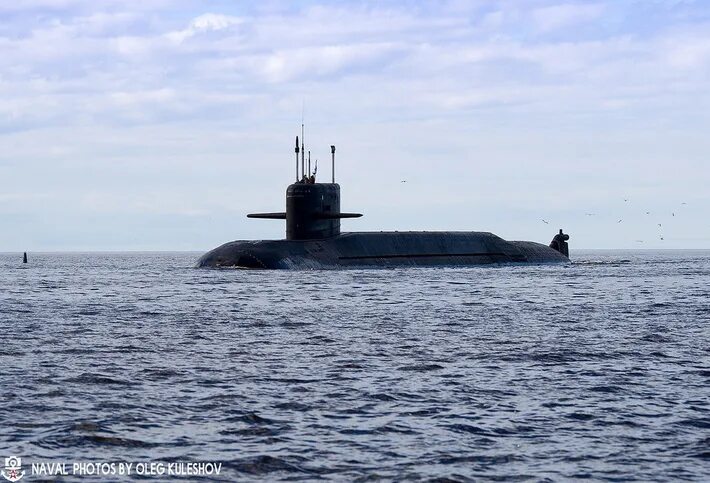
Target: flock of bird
626, 200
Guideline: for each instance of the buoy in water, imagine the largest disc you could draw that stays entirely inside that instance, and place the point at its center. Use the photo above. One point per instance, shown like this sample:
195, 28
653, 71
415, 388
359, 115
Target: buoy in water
24, 258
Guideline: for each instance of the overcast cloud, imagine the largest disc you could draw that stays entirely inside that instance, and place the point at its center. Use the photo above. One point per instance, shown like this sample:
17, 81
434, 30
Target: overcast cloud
160, 124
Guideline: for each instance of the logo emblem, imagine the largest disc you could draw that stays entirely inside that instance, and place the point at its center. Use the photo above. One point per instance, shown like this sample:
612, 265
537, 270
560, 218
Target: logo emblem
13, 469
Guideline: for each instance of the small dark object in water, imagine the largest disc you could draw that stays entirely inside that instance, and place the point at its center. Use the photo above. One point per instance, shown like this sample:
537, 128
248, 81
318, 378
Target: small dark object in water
24, 258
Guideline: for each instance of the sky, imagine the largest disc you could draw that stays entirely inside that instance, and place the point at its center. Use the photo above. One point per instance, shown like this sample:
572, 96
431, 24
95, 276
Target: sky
158, 125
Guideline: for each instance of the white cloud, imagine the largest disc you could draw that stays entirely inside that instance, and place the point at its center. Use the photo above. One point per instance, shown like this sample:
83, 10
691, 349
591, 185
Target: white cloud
132, 98
565, 15
208, 22
688, 52
287, 65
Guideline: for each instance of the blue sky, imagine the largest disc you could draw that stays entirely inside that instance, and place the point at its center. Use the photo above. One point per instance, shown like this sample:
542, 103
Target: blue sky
158, 125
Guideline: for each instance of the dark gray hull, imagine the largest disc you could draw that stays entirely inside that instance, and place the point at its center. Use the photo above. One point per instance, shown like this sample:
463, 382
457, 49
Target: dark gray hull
381, 249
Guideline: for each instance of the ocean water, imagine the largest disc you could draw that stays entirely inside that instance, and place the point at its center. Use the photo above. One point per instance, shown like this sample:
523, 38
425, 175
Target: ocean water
598, 370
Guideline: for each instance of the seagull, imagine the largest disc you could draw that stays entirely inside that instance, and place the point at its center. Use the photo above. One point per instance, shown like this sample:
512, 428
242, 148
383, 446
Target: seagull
659, 225
626, 199
546, 222
673, 214
403, 181
684, 203
648, 212
590, 214
661, 238
639, 241
619, 221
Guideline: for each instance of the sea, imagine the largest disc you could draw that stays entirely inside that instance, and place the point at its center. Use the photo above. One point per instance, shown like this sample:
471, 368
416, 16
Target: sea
594, 371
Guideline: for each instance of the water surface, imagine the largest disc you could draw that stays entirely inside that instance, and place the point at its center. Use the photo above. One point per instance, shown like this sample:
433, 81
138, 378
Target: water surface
596, 370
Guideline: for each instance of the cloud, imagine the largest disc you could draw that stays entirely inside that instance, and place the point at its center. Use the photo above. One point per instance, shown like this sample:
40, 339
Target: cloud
106, 101
208, 22
555, 17
287, 65
688, 52
440, 58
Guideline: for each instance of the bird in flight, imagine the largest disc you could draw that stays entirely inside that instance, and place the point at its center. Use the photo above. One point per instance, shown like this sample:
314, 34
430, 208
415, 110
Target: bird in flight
403, 181
684, 203
619, 221
590, 214
626, 199
661, 238
648, 212
673, 214
546, 222
659, 225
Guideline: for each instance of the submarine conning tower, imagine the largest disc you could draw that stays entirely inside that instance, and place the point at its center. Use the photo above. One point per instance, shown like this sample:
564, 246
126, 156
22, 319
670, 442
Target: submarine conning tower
312, 209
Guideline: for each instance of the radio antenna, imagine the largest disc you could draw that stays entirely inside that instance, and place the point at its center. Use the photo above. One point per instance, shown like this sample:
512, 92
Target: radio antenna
303, 152
297, 159
332, 153
303, 138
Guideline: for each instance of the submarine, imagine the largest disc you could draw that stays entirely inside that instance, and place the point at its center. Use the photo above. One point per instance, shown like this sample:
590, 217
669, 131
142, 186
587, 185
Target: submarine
314, 240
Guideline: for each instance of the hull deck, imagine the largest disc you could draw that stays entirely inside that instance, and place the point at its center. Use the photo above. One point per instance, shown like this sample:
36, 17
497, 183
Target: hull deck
381, 249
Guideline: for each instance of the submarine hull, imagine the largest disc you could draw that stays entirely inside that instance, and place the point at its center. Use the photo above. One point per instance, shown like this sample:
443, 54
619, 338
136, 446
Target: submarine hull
381, 249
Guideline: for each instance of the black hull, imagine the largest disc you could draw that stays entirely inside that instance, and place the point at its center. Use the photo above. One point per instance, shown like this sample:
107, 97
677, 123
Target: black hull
381, 249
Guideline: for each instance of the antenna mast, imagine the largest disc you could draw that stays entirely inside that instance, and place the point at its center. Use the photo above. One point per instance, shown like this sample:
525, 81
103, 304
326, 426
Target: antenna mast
297, 159
332, 153
303, 151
